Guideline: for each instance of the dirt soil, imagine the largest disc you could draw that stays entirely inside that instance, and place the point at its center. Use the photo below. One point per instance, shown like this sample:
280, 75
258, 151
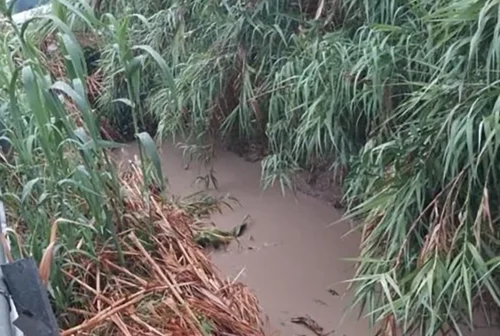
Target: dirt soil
320, 185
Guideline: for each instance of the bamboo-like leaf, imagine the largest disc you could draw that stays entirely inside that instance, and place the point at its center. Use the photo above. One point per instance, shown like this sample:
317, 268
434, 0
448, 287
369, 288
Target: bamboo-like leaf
28, 187
150, 148
165, 70
86, 15
76, 56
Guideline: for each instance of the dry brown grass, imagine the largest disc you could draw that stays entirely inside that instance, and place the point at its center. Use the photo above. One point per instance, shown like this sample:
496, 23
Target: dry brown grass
167, 285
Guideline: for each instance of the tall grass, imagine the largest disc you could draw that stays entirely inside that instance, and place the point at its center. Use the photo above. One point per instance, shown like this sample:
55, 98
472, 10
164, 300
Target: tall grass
402, 93
59, 176
427, 180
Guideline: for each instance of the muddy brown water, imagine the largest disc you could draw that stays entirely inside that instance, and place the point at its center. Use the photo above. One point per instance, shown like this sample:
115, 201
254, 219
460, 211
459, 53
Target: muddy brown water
291, 257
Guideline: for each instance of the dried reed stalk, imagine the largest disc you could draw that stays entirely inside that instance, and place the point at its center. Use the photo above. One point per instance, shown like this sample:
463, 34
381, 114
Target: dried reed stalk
168, 286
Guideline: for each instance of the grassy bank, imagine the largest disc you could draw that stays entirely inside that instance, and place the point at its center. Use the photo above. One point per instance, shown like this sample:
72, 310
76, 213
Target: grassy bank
401, 94
109, 243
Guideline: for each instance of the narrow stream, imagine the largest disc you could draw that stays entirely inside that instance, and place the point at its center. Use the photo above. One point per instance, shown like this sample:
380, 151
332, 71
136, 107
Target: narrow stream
290, 256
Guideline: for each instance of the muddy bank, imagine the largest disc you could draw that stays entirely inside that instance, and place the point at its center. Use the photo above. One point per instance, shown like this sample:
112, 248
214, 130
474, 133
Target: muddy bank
290, 256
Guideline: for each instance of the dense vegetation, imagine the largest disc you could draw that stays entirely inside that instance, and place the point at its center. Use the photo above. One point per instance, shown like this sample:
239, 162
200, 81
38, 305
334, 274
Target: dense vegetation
401, 94
59, 184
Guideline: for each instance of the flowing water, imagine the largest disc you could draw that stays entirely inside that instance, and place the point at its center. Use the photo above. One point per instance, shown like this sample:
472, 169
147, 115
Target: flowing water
291, 257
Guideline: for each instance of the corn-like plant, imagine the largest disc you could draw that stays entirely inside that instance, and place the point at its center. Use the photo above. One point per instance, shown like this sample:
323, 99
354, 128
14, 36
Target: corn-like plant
131, 59
58, 175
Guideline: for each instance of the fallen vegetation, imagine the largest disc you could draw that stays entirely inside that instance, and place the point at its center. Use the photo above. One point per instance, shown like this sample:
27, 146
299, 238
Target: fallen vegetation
117, 256
167, 285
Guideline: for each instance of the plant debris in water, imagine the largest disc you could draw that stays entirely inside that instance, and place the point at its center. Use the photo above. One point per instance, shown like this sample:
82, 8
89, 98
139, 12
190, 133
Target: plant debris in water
216, 238
201, 205
167, 286
310, 324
